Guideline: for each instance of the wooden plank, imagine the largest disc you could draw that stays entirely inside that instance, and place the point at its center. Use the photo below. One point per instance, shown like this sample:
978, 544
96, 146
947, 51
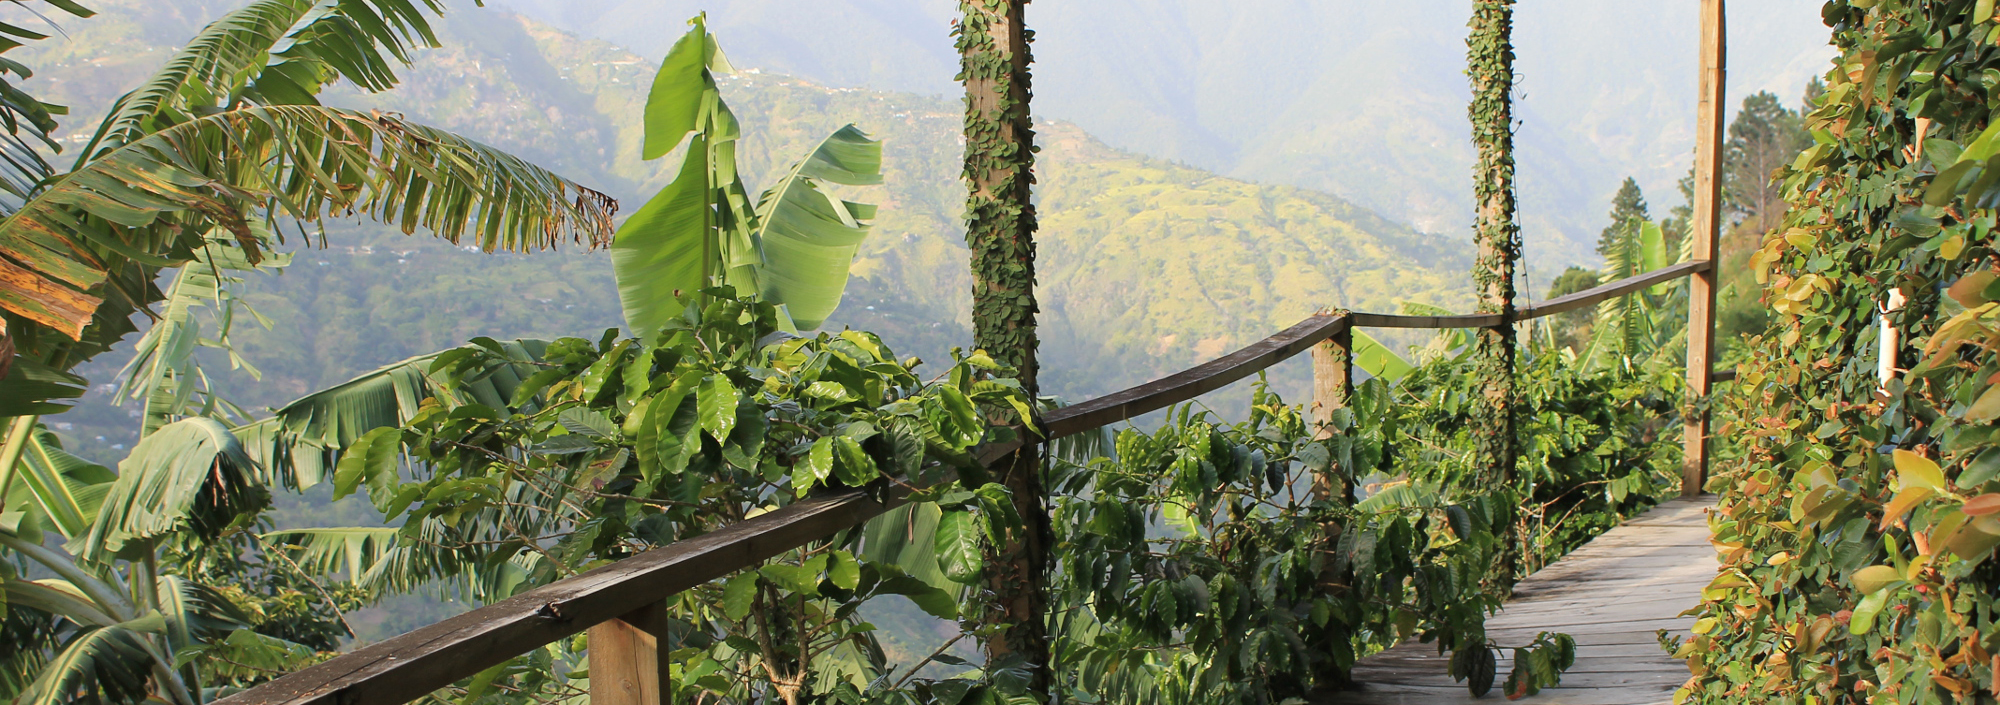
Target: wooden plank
1707, 228
406, 667
1193, 382
1598, 294
1612, 595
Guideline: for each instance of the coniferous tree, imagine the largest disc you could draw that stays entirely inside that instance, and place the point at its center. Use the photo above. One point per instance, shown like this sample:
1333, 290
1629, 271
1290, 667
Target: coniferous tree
1766, 135
1626, 207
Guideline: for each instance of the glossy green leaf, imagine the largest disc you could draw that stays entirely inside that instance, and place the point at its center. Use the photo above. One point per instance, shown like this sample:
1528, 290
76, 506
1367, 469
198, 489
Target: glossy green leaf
958, 546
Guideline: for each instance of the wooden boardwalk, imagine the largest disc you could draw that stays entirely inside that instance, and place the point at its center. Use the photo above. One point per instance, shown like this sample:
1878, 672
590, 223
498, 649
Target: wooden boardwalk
1611, 594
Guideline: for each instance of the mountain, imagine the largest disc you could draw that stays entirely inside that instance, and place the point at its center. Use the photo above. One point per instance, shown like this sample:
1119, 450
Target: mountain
1146, 265
1365, 100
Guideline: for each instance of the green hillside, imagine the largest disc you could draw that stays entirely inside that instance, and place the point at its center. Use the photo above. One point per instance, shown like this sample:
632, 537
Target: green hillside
1147, 266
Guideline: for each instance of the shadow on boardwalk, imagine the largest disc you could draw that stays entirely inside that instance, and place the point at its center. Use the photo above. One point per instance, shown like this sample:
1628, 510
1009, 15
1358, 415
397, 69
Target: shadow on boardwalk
1613, 594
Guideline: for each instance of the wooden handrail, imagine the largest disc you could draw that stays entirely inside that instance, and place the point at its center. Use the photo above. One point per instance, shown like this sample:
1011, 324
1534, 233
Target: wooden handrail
1194, 381
406, 667
1598, 294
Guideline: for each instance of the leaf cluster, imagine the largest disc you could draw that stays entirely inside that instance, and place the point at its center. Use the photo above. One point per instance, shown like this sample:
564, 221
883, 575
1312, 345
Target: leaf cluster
1857, 530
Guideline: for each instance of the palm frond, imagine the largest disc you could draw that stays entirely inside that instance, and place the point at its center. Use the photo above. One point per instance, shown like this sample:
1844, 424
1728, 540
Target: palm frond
191, 476
139, 202
163, 370
273, 52
376, 559
34, 389
110, 600
57, 598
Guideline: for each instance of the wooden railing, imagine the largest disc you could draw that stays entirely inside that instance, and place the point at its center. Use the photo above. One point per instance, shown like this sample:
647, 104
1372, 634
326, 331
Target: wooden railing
622, 603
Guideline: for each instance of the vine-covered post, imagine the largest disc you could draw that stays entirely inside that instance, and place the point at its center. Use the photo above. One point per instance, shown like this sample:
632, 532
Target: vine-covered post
1490, 65
1707, 225
1000, 228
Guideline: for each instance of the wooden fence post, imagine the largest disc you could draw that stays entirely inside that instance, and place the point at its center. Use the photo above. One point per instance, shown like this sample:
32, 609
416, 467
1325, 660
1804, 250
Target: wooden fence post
628, 666
1707, 228
1333, 378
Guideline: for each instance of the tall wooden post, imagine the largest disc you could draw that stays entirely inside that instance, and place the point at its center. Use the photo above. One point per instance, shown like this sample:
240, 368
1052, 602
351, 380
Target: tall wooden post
628, 666
1707, 229
993, 41
1333, 377
1333, 388
1490, 65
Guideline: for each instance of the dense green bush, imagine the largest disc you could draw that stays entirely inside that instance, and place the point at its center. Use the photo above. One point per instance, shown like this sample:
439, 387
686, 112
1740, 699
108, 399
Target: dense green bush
1857, 531
619, 445
1598, 444
1250, 562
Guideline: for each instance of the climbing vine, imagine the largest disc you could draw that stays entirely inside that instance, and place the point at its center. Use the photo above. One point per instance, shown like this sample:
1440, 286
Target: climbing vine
1858, 530
1490, 64
999, 171
993, 43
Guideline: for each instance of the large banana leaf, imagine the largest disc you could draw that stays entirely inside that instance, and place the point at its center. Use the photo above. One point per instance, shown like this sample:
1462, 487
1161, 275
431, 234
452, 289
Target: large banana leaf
671, 246
112, 663
163, 370
808, 237
301, 440
660, 253
65, 489
191, 477
794, 247
1378, 360
139, 201
272, 52
675, 105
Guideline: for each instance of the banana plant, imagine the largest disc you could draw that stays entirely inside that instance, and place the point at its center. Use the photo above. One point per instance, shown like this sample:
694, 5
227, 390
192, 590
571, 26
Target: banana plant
793, 246
114, 623
198, 166
1633, 329
228, 133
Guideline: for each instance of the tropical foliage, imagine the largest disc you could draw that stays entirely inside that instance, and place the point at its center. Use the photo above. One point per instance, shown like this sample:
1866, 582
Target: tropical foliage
1216, 563
792, 246
621, 445
164, 589
1857, 534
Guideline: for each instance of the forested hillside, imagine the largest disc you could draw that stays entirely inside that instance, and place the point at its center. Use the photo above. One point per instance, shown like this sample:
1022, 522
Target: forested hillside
1361, 99
1147, 265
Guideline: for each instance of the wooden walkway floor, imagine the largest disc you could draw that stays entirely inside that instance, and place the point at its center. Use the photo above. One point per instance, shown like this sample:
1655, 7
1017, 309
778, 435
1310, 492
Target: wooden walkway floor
1611, 594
